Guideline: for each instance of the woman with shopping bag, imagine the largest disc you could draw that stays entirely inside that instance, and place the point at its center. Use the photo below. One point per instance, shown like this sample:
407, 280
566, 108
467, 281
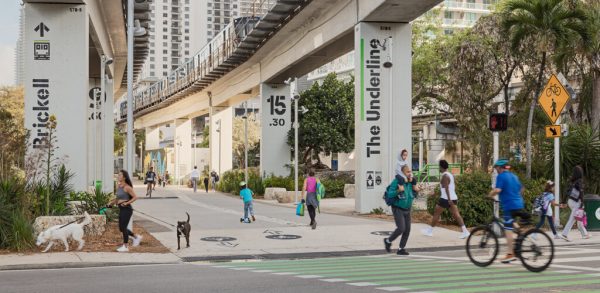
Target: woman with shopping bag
309, 196
575, 203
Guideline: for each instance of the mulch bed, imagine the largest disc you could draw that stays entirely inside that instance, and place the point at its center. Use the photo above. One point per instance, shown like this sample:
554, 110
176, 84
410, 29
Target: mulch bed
108, 242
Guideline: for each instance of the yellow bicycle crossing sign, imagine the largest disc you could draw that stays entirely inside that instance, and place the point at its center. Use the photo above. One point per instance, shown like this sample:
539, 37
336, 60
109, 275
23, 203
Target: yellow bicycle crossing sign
553, 98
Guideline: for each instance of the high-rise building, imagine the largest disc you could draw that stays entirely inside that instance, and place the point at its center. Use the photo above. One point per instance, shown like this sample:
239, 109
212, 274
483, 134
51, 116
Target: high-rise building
177, 31
461, 14
19, 62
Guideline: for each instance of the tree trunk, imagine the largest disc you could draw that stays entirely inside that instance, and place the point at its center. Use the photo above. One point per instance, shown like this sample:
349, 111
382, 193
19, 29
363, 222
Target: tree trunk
531, 111
596, 101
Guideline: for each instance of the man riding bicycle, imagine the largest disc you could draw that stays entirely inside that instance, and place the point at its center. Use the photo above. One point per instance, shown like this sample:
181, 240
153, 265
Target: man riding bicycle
510, 191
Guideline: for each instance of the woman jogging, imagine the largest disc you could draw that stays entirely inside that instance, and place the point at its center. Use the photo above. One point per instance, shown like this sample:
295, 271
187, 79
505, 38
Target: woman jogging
575, 202
309, 194
125, 196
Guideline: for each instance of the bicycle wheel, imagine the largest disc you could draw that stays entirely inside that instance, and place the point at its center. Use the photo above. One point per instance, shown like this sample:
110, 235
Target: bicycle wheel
482, 246
535, 249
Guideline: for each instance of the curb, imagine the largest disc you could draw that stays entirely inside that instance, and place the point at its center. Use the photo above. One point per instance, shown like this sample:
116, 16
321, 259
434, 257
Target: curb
305, 255
76, 265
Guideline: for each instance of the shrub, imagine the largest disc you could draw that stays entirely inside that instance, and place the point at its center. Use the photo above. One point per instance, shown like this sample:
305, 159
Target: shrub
333, 188
473, 204
94, 201
377, 211
230, 181
16, 231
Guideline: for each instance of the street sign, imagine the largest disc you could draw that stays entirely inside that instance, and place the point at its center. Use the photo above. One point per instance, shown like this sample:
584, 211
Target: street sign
553, 131
498, 122
553, 98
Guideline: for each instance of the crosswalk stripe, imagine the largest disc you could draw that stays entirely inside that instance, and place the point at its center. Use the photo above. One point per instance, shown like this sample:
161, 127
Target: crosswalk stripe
415, 280
470, 271
285, 273
333, 280
393, 289
328, 264
576, 259
567, 271
309, 276
540, 279
524, 286
346, 264
363, 267
300, 261
262, 271
379, 271
362, 284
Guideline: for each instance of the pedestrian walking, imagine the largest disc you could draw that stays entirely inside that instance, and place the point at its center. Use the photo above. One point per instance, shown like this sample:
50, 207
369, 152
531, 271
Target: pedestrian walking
575, 202
407, 188
149, 181
213, 180
246, 196
448, 201
125, 196
547, 202
206, 183
195, 175
167, 177
309, 196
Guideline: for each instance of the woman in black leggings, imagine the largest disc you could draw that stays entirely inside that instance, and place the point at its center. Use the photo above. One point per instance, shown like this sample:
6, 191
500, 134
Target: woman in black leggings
125, 196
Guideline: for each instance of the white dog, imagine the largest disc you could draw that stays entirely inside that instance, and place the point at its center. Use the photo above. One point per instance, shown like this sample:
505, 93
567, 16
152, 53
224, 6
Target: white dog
62, 232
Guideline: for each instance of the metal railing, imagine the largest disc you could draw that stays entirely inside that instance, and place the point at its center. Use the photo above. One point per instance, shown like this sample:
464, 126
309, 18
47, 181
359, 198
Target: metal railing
467, 5
431, 172
216, 58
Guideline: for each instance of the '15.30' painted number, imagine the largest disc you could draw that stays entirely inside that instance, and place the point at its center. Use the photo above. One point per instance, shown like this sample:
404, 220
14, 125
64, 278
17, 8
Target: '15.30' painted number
277, 105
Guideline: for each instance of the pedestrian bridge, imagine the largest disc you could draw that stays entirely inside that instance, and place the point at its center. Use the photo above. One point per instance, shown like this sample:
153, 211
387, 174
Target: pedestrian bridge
255, 54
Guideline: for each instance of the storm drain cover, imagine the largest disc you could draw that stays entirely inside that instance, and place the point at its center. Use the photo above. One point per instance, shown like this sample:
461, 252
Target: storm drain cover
283, 237
382, 233
218, 239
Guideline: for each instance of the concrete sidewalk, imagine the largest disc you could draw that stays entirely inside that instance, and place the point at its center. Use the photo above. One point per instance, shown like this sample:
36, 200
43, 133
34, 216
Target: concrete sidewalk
217, 233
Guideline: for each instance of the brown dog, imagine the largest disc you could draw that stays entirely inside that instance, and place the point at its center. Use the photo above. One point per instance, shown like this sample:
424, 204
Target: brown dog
184, 228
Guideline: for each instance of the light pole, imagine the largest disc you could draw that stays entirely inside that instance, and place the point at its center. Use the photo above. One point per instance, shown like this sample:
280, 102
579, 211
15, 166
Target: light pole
130, 146
178, 145
245, 117
293, 83
218, 123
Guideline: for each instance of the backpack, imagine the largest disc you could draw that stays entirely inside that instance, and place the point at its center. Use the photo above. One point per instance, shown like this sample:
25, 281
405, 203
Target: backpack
538, 204
320, 191
390, 196
216, 178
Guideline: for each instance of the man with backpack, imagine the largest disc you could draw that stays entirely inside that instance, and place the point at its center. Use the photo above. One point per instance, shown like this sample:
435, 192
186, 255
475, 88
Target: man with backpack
214, 178
399, 195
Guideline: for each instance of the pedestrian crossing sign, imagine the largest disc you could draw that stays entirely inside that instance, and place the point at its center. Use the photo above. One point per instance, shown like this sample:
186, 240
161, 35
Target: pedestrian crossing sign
553, 131
553, 98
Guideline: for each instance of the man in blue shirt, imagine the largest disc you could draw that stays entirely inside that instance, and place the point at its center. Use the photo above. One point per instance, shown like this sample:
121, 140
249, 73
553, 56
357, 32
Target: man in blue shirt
510, 191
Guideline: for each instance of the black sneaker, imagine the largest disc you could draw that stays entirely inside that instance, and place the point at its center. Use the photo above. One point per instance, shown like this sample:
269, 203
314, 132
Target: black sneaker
314, 225
402, 252
253, 218
388, 245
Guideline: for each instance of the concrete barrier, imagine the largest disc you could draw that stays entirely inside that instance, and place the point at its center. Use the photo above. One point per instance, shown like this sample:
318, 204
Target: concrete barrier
285, 196
271, 191
349, 191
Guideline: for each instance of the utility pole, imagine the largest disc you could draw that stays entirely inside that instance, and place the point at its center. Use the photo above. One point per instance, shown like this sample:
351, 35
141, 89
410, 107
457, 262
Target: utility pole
130, 146
246, 142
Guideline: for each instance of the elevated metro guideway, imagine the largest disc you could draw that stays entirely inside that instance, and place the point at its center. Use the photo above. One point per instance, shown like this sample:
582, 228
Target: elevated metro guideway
235, 44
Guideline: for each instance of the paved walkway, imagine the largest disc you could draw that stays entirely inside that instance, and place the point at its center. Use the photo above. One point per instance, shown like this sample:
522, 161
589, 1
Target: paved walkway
218, 234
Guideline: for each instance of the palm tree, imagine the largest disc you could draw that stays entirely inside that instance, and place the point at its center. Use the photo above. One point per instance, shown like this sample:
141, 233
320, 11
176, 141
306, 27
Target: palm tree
591, 49
546, 23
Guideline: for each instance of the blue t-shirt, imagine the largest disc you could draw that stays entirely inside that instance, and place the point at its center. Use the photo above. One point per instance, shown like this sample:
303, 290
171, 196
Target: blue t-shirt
246, 194
510, 197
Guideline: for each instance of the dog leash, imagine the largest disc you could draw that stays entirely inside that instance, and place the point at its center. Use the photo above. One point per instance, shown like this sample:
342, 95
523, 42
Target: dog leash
138, 211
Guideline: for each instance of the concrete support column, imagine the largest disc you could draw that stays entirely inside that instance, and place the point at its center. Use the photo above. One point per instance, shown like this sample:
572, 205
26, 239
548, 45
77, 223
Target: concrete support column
276, 120
183, 149
221, 138
152, 138
108, 125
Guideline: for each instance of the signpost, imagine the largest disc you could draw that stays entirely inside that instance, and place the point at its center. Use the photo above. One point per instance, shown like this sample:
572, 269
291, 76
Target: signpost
552, 100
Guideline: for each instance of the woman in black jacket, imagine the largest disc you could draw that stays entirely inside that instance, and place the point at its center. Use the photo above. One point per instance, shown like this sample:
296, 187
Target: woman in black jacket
575, 202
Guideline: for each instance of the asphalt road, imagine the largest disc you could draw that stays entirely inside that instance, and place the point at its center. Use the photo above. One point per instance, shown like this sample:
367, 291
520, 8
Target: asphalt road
575, 269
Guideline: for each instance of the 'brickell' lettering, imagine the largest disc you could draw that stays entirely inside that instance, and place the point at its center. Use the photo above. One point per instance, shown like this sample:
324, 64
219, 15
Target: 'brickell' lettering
40, 132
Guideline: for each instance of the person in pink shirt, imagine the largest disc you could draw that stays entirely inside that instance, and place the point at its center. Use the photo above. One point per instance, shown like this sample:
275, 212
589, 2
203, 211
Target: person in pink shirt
309, 196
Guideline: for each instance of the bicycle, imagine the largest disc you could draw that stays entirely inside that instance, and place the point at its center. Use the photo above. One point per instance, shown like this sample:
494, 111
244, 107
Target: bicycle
553, 89
534, 247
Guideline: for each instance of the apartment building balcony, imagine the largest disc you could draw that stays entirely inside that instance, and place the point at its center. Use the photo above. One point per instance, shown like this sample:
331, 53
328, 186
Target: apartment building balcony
467, 7
458, 23
176, 32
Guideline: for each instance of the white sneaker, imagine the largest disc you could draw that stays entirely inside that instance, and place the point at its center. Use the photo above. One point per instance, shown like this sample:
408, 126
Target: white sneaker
464, 235
427, 232
137, 240
560, 236
123, 249
587, 236
565, 238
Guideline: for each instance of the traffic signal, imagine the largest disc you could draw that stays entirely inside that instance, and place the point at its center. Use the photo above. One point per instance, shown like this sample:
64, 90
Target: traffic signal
498, 122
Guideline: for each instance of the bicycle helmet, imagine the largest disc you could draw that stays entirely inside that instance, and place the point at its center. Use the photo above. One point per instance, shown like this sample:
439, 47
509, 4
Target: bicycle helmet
501, 163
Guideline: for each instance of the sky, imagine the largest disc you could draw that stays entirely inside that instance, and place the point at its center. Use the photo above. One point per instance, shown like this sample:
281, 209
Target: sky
9, 31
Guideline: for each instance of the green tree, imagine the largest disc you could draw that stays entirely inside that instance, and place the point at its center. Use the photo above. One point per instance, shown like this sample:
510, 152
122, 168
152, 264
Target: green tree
328, 126
205, 137
12, 131
546, 23
118, 140
239, 137
591, 49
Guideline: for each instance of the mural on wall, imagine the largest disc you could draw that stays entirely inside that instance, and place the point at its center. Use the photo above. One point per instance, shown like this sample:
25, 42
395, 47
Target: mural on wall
156, 159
